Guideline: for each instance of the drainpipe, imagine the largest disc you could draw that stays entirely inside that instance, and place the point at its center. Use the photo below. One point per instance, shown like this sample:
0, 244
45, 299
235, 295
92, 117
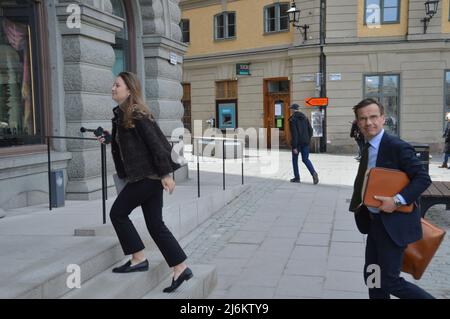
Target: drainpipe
323, 70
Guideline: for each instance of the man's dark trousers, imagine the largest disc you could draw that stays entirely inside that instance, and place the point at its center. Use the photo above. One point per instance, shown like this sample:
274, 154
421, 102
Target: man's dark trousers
304, 150
382, 251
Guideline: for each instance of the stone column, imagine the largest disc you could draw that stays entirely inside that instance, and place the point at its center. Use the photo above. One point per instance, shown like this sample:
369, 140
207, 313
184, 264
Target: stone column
88, 59
161, 40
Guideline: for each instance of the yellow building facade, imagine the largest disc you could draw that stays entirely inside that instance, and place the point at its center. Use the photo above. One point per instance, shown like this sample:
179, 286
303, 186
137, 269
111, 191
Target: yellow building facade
371, 49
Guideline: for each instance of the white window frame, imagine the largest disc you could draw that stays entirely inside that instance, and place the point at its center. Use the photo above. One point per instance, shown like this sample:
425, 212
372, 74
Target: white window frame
225, 15
277, 7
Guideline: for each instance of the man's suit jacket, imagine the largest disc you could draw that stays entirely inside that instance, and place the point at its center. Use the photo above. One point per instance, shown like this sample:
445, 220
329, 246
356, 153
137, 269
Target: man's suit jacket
403, 228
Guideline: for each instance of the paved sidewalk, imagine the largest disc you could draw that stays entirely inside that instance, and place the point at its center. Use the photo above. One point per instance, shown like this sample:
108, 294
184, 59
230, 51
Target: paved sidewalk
284, 240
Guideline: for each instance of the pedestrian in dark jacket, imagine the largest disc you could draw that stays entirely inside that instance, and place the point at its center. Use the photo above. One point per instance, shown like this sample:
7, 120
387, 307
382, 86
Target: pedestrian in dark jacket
446, 136
301, 133
142, 156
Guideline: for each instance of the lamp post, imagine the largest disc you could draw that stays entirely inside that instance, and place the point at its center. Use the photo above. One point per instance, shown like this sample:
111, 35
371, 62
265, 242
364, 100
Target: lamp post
431, 8
294, 18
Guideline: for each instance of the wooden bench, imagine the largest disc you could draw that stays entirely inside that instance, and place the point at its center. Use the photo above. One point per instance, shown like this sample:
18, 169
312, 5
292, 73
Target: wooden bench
437, 193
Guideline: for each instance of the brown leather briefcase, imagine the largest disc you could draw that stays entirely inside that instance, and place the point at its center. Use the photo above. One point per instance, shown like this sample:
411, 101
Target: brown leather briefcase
419, 254
384, 182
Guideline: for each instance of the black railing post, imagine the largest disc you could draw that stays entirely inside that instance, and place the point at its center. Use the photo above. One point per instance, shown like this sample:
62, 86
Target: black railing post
223, 160
173, 173
242, 160
105, 167
198, 171
49, 175
103, 155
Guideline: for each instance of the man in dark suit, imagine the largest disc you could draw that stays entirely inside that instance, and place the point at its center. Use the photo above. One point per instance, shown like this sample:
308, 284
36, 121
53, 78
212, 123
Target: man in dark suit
388, 231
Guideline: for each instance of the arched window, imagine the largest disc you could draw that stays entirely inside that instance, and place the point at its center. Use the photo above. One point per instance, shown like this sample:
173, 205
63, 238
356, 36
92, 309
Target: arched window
124, 48
21, 113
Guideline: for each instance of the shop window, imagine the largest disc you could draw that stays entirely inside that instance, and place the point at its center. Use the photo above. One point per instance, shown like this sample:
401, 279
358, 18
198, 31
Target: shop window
21, 116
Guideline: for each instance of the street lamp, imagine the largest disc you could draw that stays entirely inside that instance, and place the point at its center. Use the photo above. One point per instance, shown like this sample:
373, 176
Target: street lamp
431, 8
294, 18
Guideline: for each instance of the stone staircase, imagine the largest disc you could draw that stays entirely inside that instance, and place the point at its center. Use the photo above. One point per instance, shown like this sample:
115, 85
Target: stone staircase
96, 250
149, 284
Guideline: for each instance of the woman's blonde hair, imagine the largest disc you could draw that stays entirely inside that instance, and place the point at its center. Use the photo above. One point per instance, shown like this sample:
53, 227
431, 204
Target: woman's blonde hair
134, 105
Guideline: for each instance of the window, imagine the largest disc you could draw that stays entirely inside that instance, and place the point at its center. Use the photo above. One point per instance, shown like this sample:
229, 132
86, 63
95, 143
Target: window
184, 26
225, 25
124, 45
186, 101
226, 90
279, 86
385, 89
447, 92
276, 18
226, 104
21, 116
382, 11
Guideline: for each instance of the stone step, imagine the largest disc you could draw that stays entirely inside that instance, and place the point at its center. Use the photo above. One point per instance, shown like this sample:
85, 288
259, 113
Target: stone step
109, 285
47, 277
198, 287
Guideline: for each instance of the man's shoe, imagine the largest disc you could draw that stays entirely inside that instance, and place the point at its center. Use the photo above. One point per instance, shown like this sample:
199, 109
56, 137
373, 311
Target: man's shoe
444, 165
185, 275
315, 178
295, 180
127, 267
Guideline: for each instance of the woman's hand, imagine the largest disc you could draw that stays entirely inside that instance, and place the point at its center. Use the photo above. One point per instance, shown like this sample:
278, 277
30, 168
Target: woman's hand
168, 183
102, 138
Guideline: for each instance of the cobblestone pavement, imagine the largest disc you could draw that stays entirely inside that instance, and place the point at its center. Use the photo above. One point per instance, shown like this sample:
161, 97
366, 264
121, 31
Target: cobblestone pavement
285, 240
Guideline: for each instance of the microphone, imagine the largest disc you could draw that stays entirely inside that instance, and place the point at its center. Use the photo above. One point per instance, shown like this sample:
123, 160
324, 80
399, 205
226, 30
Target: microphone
99, 131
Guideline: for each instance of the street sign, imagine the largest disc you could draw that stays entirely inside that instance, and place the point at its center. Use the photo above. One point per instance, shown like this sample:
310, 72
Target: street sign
316, 101
173, 58
243, 69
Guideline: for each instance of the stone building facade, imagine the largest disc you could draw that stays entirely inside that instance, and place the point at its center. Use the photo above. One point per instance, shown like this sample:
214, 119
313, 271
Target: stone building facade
62, 59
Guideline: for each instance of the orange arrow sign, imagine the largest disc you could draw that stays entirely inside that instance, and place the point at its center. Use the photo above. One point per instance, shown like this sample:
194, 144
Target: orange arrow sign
316, 101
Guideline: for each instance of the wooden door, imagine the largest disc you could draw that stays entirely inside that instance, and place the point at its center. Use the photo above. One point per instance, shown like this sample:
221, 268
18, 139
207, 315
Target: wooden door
276, 115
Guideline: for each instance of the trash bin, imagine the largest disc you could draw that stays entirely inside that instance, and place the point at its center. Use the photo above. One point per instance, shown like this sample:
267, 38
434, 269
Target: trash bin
423, 154
57, 188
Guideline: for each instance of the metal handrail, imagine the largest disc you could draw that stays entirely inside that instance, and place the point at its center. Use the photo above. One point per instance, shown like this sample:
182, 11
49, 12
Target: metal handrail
103, 169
